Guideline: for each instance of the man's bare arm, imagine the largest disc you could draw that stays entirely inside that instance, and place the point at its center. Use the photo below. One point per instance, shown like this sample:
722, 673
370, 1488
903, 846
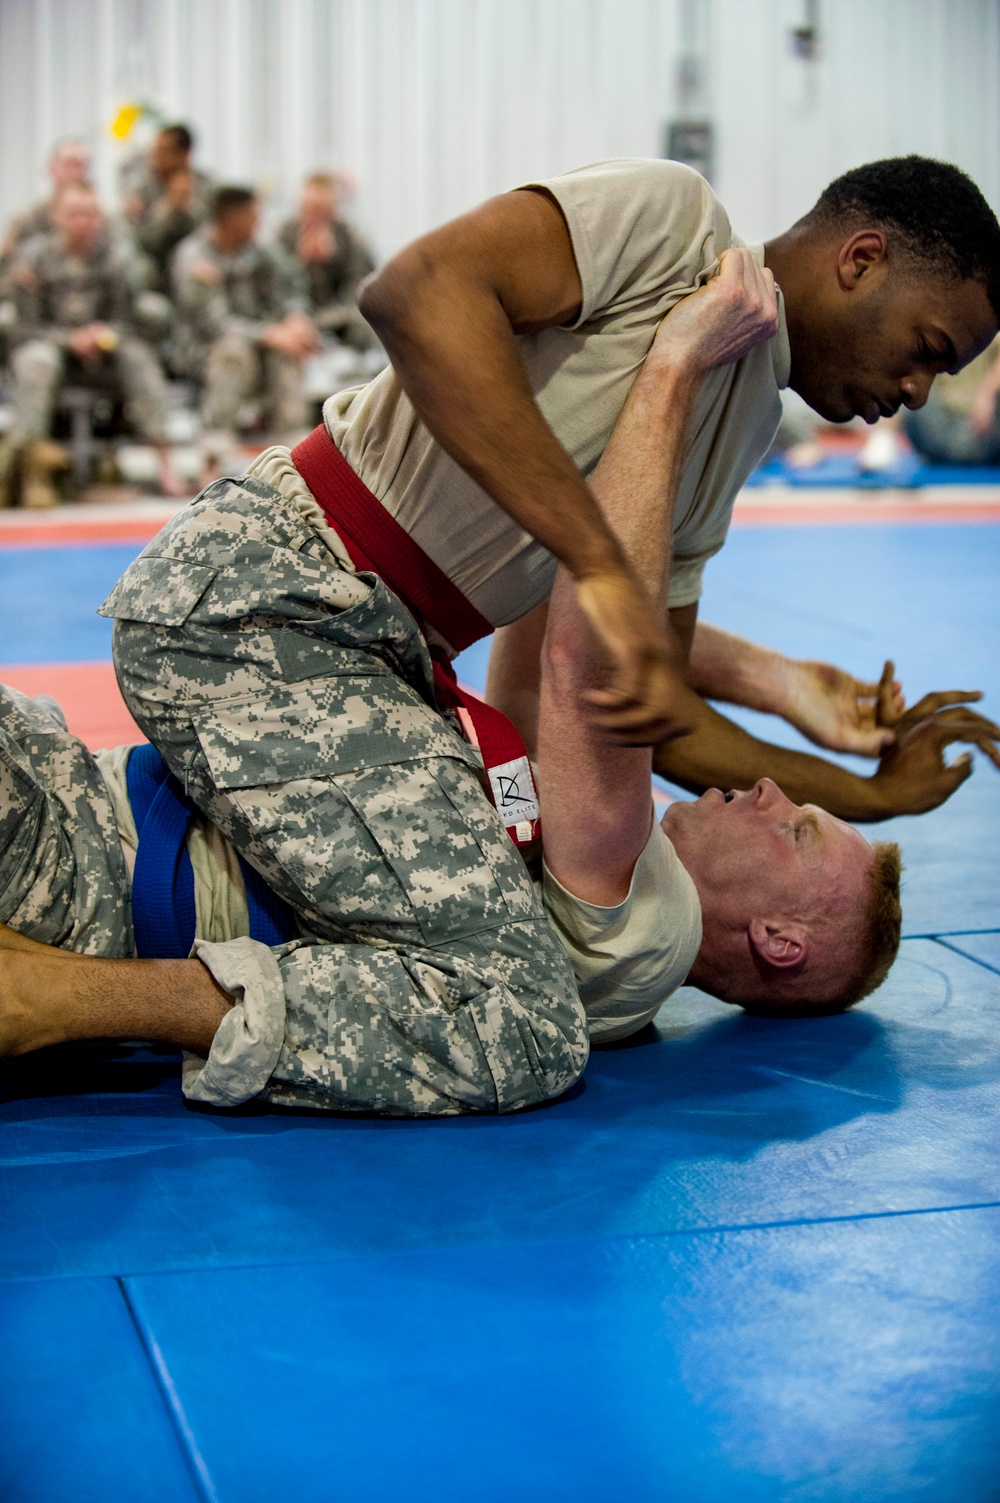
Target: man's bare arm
830, 707
447, 309
596, 796
913, 775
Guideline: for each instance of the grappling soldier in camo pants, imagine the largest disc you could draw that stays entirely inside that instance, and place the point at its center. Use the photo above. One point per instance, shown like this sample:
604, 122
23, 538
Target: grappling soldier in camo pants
293, 699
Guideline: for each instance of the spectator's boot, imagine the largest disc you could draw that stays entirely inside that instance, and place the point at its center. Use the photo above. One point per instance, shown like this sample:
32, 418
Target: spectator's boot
10, 454
42, 461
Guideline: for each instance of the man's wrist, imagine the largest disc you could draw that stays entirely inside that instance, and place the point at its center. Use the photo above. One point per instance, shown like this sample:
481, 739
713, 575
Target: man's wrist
876, 801
667, 374
762, 679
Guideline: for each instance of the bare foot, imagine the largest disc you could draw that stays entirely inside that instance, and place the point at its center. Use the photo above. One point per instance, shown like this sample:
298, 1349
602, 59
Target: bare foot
26, 1022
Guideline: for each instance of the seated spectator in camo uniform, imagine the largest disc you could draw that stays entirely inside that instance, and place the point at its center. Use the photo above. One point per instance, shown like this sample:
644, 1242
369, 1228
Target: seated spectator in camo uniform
242, 326
69, 165
76, 322
335, 260
165, 199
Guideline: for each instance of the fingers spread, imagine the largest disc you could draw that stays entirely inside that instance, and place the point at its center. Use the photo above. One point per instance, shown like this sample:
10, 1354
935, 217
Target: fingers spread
937, 701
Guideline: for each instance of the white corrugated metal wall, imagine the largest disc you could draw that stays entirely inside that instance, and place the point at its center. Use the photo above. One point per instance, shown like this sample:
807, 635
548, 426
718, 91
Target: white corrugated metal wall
434, 104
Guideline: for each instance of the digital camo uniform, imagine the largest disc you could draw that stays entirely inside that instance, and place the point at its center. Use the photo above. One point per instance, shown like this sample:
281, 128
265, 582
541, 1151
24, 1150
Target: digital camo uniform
333, 284
293, 698
62, 293
224, 303
158, 227
63, 879
23, 228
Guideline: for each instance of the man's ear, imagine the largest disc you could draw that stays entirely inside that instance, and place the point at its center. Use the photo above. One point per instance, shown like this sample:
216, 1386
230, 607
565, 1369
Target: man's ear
780, 943
860, 256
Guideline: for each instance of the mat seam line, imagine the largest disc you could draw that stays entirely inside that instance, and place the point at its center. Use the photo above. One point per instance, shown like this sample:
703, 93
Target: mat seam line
965, 956
170, 1399
952, 933
684, 1231
696, 1231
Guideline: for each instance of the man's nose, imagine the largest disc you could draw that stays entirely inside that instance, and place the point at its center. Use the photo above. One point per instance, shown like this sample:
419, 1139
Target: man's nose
915, 390
766, 794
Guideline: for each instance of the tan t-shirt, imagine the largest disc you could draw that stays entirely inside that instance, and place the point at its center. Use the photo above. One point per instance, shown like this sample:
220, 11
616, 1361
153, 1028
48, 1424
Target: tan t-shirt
645, 233
627, 960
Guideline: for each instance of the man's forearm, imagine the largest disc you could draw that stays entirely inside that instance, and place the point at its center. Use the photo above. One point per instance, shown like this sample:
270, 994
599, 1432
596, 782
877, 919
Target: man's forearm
719, 754
596, 796
726, 667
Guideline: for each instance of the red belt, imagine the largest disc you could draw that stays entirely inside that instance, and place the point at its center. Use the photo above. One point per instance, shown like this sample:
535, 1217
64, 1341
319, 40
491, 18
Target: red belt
377, 544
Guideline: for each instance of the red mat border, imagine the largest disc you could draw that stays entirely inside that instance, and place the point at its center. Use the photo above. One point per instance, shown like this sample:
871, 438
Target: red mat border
748, 513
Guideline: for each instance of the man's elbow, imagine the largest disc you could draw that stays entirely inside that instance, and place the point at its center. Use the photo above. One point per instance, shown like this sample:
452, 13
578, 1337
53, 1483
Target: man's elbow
374, 299
390, 299
564, 660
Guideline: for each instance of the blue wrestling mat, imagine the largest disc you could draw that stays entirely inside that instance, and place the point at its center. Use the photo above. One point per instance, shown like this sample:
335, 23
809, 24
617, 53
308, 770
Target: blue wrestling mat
743, 1261
836, 470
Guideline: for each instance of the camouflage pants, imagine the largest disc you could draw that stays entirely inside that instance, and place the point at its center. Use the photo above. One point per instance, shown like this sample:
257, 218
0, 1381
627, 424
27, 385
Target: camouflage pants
41, 366
63, 879
236, 369
294, 701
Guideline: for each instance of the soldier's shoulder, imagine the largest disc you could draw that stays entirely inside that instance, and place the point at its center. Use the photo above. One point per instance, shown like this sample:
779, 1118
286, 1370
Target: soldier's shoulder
194, 247
270, 255
32, 221
41, 251
117, 255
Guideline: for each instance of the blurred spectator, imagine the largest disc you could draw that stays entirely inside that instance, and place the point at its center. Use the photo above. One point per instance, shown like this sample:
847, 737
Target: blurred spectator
334, 258
242, 328
69, 164
75, 323
164, 200
960, 422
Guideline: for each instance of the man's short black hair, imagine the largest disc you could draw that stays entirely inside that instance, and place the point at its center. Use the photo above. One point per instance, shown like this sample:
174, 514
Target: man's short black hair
181, 136
933, 211
227, 200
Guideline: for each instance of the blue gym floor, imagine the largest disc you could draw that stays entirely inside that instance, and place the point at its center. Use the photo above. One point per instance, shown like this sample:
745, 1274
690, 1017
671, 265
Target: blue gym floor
743, 1260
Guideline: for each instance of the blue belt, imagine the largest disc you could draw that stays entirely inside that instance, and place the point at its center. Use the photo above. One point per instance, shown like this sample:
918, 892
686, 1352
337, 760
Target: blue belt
163, 909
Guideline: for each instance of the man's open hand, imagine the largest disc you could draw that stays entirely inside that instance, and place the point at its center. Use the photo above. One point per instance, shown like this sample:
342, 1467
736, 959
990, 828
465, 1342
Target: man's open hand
91, 341
179, 191
840, 712
645, 700
913, 775
720, 322
295, 336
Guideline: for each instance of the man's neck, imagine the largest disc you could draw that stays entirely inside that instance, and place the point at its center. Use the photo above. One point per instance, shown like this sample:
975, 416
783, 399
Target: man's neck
227, 245
79, 250
792, 259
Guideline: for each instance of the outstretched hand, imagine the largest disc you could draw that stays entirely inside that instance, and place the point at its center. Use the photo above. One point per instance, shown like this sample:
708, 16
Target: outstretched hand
646, 699
913, 775
841, 713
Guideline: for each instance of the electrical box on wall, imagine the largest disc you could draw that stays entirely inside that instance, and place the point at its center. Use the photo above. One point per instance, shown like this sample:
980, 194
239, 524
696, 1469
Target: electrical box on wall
693, 143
